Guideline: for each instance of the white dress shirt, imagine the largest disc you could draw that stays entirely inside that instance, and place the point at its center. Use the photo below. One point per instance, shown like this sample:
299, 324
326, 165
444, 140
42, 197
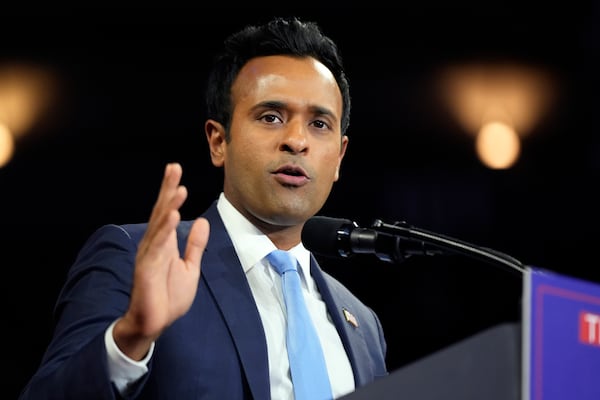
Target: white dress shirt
252, 247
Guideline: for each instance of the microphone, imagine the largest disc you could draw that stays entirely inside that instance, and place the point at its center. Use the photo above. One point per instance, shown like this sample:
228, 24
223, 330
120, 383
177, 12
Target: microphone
394, 243
338, 237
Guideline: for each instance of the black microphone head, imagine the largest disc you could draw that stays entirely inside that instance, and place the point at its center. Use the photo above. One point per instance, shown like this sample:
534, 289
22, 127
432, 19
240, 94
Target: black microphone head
328, 236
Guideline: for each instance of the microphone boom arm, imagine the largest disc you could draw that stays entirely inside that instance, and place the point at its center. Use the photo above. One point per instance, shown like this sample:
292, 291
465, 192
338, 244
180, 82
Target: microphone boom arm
422, 241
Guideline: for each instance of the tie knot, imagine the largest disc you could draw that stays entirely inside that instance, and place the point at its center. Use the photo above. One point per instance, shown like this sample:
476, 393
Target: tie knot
282, 261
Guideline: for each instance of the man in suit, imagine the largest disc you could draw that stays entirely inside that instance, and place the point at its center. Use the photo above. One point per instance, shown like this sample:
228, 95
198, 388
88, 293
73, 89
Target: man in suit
174, 309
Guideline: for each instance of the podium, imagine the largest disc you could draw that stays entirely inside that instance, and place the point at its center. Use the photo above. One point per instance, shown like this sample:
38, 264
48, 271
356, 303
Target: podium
486, 365
553, 353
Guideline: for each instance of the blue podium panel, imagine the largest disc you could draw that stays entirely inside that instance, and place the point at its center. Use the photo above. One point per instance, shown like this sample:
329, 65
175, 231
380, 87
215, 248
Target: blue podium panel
561, 337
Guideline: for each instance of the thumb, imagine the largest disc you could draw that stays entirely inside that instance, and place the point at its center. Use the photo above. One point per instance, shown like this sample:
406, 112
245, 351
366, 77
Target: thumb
196, 242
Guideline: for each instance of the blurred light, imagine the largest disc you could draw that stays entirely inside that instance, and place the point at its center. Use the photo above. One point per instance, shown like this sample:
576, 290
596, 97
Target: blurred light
516, 96
25, 94
7, 145
498, 145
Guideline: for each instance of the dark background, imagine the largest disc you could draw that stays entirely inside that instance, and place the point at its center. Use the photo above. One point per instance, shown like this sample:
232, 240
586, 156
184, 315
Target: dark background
131, 99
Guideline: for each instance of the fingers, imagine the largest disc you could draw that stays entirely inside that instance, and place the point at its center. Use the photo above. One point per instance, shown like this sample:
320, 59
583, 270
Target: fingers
168, 189
165, 213
196, 244
165, 217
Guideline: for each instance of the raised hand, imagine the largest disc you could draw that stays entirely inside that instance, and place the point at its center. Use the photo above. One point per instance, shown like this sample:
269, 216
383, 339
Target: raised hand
164, 284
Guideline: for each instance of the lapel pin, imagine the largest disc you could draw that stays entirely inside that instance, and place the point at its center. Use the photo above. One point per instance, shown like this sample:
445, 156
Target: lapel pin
350, 318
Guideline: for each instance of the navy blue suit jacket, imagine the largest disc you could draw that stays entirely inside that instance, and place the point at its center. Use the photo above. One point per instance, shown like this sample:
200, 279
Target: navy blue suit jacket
217, 350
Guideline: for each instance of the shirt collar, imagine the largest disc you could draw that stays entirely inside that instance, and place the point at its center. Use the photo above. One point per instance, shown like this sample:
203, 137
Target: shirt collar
251, 245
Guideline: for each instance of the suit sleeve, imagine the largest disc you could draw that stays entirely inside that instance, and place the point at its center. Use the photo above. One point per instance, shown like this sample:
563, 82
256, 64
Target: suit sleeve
95, 293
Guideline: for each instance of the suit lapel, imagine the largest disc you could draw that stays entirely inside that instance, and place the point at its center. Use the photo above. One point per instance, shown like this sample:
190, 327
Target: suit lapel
343, 315
227, 282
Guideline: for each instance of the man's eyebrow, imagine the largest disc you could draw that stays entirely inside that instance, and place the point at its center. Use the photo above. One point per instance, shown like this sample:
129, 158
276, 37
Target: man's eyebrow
317, 110
275, 104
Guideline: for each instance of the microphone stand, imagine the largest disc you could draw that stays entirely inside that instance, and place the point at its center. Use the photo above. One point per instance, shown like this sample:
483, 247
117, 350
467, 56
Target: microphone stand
401, 230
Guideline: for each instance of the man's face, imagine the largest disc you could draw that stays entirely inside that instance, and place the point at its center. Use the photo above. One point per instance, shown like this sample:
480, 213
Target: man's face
286, 145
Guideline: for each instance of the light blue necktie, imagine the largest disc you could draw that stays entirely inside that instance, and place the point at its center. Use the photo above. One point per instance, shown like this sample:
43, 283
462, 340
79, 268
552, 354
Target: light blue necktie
307, 363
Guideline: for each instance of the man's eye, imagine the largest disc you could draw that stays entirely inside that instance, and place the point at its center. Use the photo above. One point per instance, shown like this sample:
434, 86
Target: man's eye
320, 124
270, 118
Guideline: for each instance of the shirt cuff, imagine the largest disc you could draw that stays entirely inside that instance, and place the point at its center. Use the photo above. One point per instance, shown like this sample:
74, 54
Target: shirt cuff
123, 371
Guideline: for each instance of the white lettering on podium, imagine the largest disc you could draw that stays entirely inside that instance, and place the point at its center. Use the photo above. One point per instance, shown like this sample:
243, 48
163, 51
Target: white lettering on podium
590, 328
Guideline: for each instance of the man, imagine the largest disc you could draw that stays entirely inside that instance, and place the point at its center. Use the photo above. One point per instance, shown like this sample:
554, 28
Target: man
177, 309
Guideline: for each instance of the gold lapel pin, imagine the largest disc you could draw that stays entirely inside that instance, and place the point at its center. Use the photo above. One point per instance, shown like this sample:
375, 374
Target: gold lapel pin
350, 318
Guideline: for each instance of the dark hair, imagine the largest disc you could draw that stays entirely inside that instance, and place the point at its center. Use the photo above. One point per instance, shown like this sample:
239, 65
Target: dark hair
280, 36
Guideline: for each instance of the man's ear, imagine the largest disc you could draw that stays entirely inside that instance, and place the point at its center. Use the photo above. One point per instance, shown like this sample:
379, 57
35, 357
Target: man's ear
215, 134
344, 146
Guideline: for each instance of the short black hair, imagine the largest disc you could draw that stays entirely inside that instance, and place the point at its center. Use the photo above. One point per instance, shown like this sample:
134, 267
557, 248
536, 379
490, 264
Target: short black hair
279, 36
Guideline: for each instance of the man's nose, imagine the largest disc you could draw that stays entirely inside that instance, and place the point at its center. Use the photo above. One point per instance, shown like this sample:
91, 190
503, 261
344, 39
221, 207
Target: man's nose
295, 137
